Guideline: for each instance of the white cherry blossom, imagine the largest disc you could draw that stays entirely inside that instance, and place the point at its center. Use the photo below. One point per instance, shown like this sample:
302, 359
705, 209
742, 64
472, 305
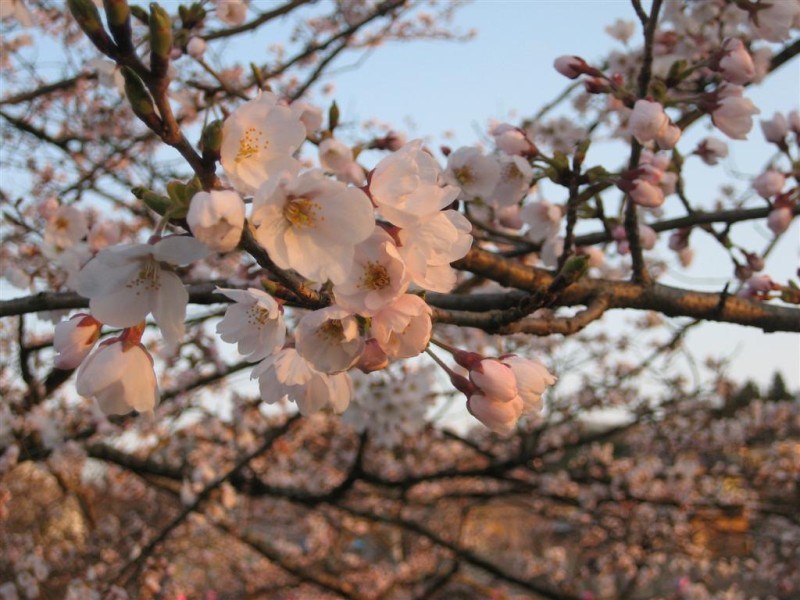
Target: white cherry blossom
312, 224
430, 247
119, 376
254, 322
65, 228
514, 182
405, 186
258, 140
125, 283
288, 374
329, 339
403, 328
472, 171
377, 278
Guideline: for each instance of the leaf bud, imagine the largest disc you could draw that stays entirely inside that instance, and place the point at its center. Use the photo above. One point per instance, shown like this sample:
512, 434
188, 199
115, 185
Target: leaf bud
211, 138
87, 16
160, 40
139, 97
117, 12
333, 116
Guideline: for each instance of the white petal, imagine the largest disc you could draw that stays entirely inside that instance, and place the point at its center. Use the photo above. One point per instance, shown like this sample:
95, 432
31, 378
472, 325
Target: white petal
169, 308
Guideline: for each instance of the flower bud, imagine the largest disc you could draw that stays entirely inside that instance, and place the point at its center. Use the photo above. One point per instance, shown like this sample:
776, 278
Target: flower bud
216, 218
769, 183
196, 47
74, 339
779, 220
495, 380
736, 65
117, 12
775, 129
647, 120
86, 14
570, 66
139, 97
500, 417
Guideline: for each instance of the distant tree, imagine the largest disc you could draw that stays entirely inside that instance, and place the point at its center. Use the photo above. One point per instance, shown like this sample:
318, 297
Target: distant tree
742, 397
777, 389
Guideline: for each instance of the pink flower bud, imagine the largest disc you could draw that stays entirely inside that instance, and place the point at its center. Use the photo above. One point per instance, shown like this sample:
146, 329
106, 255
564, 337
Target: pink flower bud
570, 66
779, 220
196, 47
495, 380
500, 417
733, 114
646, 194
769, 183
736, 65
775, 129
74, 339
647, 120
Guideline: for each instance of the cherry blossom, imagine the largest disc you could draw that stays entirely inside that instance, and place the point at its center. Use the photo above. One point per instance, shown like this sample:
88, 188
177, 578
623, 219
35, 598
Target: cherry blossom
258, 140
733, 114
769, 183
405, 186
288, 374
216, 218
329, 339
125, 283
312, 224
378, 276
254, 322
472, 171
403, 328
74, 339
736, 65
119, 376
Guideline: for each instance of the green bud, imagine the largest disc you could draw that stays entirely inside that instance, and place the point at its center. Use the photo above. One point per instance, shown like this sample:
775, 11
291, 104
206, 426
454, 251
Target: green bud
333, 116
138, 96
140, 14
156, 202
211, 138
580, 153
596, 174
160, 32
575, 268
117, 12
87, 16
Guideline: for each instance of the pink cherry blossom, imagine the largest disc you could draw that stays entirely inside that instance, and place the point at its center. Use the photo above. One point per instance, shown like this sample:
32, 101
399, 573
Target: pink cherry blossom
288, 374
736, 65
733, 114
405, 186
769, 183
501, 417
476, 174
779, 219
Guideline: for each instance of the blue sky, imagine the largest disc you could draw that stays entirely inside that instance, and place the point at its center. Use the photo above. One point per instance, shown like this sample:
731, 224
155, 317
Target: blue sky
507, 70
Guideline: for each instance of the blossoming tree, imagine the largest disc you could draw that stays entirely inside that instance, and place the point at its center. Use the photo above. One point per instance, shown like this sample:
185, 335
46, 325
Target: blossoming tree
206, 219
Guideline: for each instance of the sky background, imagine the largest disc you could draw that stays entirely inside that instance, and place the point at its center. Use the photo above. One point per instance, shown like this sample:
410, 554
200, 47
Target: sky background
437, 88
